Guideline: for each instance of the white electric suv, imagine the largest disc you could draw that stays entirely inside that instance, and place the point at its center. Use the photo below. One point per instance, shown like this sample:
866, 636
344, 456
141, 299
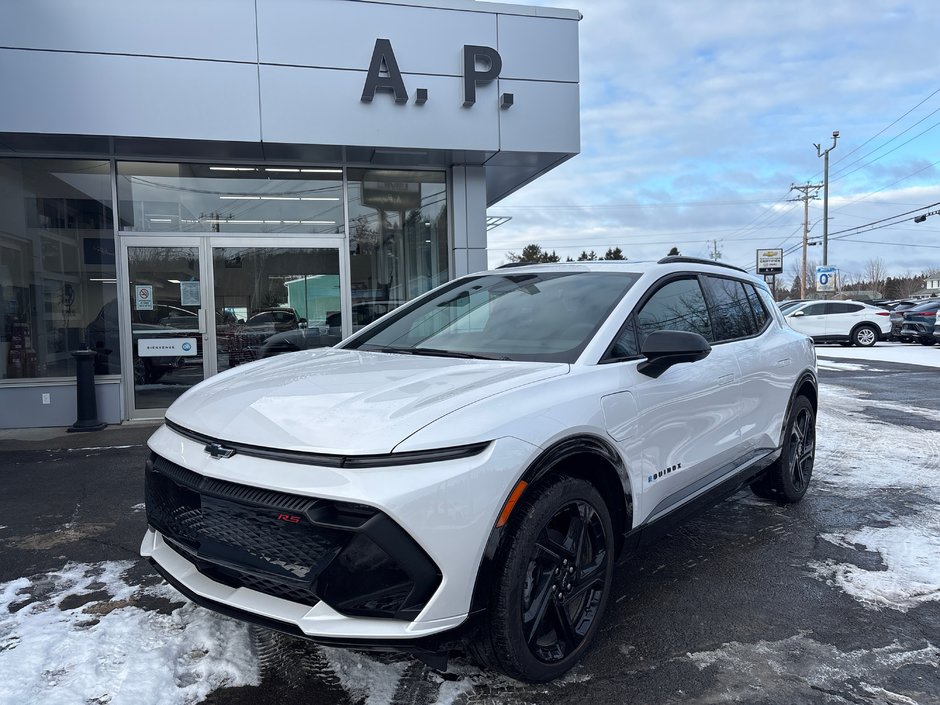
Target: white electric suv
466, 470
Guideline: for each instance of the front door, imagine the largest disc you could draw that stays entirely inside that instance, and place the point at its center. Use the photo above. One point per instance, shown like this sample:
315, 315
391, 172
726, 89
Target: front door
164, 339
196, 306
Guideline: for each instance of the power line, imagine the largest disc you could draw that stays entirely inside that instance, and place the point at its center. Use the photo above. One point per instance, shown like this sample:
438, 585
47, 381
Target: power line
885, 129
882, 220
862, 166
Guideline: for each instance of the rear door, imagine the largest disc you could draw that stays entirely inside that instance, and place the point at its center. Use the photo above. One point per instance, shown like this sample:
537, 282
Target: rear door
842, 317
742, 325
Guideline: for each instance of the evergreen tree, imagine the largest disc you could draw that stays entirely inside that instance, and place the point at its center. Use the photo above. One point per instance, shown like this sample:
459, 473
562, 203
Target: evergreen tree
533, 253
587, 256
615, 253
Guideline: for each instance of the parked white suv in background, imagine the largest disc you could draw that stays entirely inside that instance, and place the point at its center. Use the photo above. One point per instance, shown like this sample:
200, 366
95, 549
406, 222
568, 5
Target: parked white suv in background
848, 322
465, 470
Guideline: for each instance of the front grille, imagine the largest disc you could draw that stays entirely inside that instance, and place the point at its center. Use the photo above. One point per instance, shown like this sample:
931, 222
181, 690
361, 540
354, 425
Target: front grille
233, 534
289, 546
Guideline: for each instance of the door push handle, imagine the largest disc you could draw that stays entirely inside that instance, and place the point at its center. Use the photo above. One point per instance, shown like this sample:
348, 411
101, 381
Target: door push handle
726, 379
784, 362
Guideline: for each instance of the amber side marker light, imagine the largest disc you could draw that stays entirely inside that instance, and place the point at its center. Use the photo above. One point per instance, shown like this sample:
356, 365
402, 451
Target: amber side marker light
511, 503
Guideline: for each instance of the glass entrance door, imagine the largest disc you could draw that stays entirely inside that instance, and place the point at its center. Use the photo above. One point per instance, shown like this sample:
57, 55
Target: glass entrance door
164, 342
275, 299
196, 306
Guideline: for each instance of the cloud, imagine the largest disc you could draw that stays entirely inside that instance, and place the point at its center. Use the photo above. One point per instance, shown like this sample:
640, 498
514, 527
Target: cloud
697, 116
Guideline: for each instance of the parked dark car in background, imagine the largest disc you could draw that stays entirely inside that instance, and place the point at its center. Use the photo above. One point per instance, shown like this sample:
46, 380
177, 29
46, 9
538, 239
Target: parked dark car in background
897, 318
919, 322
247, 340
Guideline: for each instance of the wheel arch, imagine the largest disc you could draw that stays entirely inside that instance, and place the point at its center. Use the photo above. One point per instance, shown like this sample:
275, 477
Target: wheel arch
585, 456
805, 386
867, 324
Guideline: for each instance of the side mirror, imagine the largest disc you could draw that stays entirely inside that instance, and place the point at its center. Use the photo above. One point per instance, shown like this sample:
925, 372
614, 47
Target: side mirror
302, 323
665, 348
797, 314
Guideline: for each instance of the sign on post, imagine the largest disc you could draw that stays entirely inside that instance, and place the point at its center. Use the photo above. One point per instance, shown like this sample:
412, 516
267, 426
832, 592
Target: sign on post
826, 278
770, 261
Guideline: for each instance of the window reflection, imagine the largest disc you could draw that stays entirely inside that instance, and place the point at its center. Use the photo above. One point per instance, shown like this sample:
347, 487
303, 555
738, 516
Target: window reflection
398, 238
201, 198
274, 300
57, 267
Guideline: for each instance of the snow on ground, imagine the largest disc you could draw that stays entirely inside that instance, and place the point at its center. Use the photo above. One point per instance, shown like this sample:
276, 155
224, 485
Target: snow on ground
860, 457
745, 670
77, 636
905, 353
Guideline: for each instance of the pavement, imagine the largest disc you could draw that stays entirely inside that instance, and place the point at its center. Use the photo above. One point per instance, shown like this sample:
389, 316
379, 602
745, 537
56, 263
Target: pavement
833, 600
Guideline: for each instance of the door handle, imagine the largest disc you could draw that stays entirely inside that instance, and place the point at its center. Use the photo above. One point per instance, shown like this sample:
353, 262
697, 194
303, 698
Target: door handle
202, 320
725, 379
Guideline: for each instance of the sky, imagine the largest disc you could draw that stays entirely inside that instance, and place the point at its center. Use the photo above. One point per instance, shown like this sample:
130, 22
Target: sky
697, 116
88, 633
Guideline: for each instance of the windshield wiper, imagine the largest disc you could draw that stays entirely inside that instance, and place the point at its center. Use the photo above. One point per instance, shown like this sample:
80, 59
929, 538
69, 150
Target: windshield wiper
436, 352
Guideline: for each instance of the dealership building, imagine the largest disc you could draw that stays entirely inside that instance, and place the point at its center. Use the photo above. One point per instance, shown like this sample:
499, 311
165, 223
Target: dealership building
189, 186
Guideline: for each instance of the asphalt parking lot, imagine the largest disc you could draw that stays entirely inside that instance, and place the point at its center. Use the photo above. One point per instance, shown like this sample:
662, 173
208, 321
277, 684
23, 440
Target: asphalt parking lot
834, 600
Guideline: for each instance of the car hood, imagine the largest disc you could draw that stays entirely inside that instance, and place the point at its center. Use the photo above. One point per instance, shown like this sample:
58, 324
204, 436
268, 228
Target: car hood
344, 401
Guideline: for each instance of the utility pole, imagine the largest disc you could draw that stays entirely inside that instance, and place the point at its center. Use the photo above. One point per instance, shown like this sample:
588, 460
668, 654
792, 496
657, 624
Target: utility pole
806, 198
835, 138
716, 253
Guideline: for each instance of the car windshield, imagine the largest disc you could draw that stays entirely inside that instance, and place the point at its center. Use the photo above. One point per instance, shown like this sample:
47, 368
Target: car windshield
545, 316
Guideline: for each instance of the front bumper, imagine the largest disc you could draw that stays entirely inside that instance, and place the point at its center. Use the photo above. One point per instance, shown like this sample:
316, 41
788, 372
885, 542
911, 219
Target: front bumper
917, 330
441, 511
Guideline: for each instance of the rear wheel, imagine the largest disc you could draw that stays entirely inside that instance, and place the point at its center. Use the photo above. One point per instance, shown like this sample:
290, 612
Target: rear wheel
927, 341
864, 336
787, 479
552, 586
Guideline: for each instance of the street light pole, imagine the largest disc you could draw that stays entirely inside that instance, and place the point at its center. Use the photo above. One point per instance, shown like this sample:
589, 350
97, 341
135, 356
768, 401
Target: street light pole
835, 138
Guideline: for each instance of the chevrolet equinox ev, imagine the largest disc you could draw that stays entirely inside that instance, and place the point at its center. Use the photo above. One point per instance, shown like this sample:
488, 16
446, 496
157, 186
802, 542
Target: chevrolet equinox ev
464, 472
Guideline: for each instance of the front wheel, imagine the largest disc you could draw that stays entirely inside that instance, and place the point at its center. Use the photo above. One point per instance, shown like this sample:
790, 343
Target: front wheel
927, 341
552, 586
864, 336
788, 478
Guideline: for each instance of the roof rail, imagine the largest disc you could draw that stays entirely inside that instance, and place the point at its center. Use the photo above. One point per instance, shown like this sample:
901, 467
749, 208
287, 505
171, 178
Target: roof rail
680, 259
519, 264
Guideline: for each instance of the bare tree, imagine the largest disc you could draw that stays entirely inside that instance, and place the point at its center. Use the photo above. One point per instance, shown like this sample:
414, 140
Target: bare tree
875, 274
908, 285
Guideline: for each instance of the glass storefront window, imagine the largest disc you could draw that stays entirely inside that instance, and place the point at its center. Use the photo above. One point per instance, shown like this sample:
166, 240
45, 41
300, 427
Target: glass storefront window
398, 238
205, 198
274, 300
57, 267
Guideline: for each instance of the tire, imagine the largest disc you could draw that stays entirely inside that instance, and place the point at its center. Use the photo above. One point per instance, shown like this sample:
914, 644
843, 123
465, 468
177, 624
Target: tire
927, 341
864, 336
551, 584
788, 478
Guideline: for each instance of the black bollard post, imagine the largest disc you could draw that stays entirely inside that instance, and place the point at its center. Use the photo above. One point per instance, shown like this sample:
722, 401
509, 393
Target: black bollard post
85, 393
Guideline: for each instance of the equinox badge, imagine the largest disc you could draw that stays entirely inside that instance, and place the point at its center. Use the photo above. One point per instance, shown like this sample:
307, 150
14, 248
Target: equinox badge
217, 450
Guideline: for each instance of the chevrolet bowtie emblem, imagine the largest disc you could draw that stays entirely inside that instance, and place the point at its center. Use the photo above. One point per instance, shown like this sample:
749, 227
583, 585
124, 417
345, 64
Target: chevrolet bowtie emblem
217, 450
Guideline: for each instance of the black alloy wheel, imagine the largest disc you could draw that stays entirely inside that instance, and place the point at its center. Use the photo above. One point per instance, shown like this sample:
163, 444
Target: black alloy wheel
552, 587
801, 447
788, 478
564, 582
